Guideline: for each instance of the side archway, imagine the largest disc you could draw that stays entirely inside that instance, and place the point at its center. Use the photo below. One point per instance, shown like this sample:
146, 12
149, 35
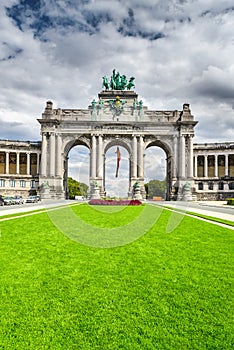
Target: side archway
164, 166
76, 162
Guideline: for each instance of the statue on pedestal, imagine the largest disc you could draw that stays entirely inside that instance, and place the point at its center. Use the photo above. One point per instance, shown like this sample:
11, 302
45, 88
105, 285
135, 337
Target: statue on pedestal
137, 190
186, 192
118, 82
94, 190
45, 190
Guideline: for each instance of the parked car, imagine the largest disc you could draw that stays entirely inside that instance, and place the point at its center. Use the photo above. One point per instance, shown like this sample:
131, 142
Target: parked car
32, 199
8, 200
1, 201
18, 200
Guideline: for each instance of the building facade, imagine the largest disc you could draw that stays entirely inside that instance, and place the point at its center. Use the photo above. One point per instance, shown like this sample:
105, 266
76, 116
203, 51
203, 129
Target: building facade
214, 170
117, 118
19, 167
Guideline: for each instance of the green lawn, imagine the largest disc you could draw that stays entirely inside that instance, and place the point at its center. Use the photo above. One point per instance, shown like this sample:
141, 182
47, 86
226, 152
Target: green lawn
162, 291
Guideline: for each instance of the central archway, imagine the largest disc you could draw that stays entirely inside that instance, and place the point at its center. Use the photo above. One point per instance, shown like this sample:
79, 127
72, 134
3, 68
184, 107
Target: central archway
117, 168
116, 186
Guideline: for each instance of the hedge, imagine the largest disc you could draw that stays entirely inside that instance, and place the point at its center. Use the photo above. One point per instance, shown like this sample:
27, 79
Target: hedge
114, 202
230, 201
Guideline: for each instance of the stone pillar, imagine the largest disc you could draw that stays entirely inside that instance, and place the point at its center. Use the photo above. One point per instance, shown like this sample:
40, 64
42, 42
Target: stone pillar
52, 154
17, 162
216, 165
175, 157
190, 173
43, 169
182, 156
134, 156
226, 165
100, 157
7, 163
141, 157
58, 170
205, 166
93, 158
38, 163
28, 163
104, 170
195, 166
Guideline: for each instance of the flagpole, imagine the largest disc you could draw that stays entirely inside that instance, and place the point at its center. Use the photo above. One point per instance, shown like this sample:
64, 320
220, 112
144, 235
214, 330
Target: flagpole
118, 161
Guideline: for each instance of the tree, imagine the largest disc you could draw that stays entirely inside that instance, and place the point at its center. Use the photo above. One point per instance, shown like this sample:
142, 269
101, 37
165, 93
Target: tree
155, 188
76, 188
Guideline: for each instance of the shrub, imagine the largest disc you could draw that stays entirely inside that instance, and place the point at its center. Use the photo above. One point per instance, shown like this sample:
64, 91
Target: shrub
230, 201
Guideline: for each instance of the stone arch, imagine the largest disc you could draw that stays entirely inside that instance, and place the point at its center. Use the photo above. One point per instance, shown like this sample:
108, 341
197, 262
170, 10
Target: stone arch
159, 143
117, 118
69, 143
118, 142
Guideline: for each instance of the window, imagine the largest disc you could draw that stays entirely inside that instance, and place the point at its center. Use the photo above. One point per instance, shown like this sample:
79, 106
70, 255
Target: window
33, 184
12, 183
221, 186
210, 186
2, 183
200, 186
231, 186
22, 183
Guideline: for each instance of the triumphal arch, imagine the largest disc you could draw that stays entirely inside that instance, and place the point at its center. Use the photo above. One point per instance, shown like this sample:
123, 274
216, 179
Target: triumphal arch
117, 118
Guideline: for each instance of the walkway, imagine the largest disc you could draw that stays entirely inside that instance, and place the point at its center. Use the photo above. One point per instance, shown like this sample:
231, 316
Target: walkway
214, 209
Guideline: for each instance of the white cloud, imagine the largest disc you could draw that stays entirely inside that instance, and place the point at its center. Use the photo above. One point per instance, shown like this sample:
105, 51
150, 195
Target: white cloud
64, 58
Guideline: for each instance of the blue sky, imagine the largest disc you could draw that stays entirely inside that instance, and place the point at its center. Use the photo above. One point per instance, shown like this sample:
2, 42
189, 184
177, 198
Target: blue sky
178, 51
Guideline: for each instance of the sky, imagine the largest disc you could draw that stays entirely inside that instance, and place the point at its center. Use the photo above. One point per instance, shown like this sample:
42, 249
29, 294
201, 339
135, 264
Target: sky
179, 51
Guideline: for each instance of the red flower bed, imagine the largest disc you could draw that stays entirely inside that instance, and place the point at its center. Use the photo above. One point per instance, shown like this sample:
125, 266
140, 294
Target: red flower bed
114, 202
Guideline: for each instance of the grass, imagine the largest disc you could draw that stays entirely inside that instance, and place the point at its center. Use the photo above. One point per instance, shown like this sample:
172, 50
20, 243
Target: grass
163, 291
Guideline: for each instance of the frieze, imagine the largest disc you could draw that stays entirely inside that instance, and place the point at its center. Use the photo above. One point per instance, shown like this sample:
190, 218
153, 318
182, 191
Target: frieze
118, 127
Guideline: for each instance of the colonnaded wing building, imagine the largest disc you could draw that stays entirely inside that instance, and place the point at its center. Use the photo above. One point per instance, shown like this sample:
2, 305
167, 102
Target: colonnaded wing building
118, 118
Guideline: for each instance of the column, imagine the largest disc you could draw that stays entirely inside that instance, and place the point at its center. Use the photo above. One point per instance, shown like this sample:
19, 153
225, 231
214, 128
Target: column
190, 174
141, 157
7, 162
216, 165
195, 166
226, 165
93, 158
104, 175
17, 163
205, 166
44, 155
58, 156
28, 163
38, 162
182, 156
100, 157
175, 158
52, 154
134, 156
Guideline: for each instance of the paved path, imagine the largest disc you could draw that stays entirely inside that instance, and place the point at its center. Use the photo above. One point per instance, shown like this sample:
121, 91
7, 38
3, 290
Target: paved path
27, 207
216, 209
